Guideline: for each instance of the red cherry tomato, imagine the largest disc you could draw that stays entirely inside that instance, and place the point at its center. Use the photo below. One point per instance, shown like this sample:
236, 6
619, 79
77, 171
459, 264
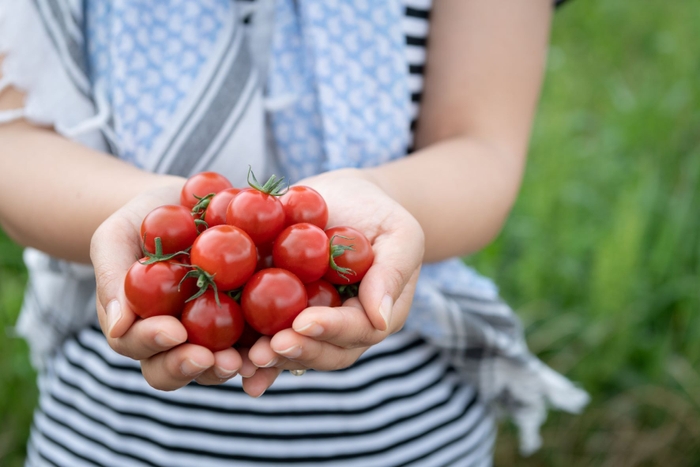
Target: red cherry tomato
271, 299
227, 253
303, 250
152, 289
174, 225
304, 204
200, 185
322, 293
355, 261
216, 211
216, 326
259, 214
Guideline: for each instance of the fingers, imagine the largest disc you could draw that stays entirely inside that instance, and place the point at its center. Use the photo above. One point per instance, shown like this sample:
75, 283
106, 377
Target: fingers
148, 337
327, 338
263, 378
310, 353
290, 351
335, 338
261, 354
174, 369
402, 306
167, 363
248, 368
322, 338
227, 364
347, 326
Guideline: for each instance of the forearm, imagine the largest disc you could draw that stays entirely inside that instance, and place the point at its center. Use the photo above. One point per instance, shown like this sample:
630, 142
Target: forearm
484, 70
54, 193
460, 191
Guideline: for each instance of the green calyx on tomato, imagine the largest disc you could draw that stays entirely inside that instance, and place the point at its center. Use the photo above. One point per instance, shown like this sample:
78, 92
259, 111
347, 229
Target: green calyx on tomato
358, 258
158, 254
202, 204
274, 185
338, 250
347, 291
201, 225
204, 281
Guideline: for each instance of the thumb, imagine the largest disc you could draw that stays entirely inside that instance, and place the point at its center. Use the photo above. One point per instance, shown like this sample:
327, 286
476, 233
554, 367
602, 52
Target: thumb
113, 251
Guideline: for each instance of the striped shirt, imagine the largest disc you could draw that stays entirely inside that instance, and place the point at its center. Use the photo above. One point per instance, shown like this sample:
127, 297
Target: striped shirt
402, 403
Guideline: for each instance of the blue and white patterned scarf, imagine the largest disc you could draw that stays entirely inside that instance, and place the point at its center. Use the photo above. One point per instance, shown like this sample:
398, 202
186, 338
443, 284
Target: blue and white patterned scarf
177, 86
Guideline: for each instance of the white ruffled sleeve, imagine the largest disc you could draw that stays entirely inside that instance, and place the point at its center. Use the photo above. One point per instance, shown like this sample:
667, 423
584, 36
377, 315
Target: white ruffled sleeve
34, 39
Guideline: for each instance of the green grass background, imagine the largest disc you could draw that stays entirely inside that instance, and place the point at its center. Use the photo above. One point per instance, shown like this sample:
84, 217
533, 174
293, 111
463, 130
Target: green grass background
600, 258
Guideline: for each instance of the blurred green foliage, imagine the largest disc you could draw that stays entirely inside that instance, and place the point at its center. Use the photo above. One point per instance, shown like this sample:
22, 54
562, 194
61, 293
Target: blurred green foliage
18, 393
600, 258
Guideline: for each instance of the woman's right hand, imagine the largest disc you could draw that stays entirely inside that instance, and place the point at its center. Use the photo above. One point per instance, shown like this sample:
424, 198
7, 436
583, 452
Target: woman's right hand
159, 342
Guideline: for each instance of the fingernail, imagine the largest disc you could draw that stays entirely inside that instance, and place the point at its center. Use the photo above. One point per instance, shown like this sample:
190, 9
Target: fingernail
191, 368
313, 329
385, 309
166, 341
246, 375
225, 374
260, 395
270, 363
114, 313
292, 352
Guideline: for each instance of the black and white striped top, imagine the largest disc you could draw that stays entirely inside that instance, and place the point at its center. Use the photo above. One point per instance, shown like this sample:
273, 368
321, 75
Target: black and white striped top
415, 26
400, 404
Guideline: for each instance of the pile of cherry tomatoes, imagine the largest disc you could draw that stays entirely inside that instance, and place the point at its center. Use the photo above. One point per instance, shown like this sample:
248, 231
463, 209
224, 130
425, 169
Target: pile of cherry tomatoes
236, 263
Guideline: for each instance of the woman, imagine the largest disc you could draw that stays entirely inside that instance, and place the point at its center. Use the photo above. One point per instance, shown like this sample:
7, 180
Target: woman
176, 88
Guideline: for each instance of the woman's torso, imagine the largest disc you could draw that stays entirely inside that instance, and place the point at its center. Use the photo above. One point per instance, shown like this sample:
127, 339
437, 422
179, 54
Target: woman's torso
401, 404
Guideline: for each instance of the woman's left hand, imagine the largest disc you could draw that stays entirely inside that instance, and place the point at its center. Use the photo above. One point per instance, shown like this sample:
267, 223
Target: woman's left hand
327, 339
